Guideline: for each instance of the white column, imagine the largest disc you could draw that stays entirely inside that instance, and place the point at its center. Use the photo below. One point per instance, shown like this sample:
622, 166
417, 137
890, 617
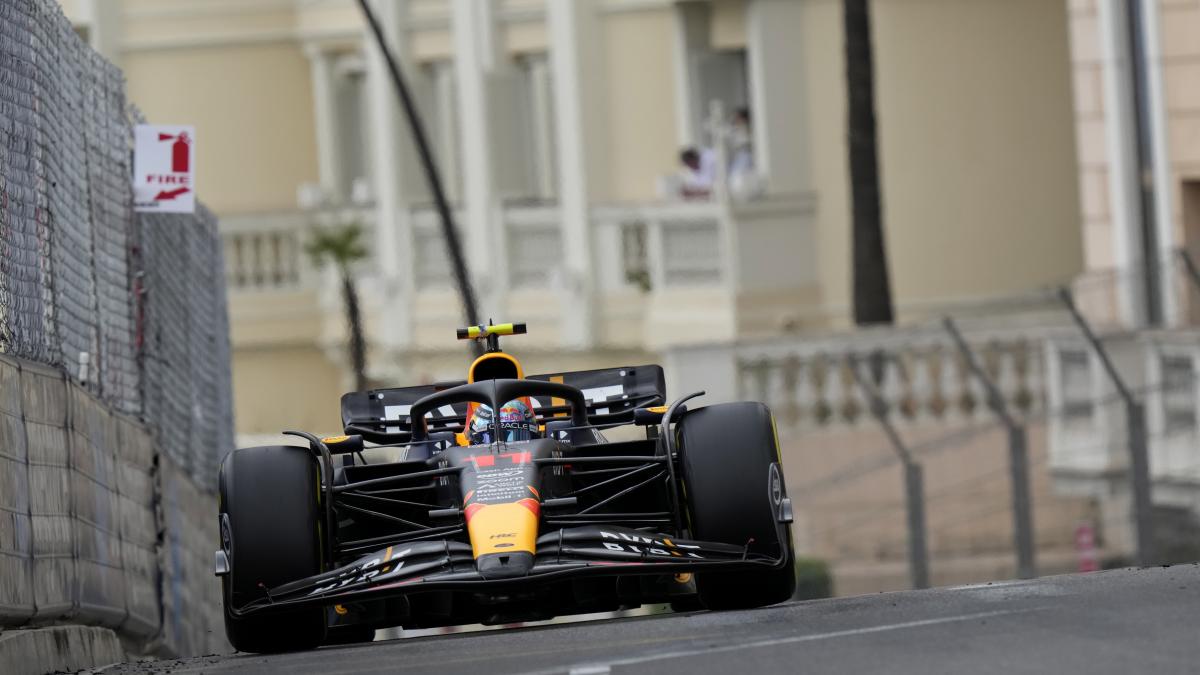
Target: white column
103, 19
1122, 166
474, 60
542, 106
446, 145
325, 110
575, 66
776, 57
393, 226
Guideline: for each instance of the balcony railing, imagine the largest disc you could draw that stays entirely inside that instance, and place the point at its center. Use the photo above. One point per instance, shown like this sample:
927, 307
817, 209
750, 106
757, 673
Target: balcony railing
267, 253
662, 246
534, 246
263, 253
920, 377
431, 266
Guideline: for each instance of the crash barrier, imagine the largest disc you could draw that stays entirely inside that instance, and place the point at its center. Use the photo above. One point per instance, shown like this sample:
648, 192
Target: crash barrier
130, 306
99, 527
115, 395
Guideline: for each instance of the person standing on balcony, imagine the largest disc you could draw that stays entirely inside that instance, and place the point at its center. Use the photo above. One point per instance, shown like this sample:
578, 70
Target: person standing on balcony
744, 181
699, 173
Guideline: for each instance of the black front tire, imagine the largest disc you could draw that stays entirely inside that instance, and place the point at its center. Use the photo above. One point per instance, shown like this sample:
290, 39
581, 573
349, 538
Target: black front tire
269, 499
727, 452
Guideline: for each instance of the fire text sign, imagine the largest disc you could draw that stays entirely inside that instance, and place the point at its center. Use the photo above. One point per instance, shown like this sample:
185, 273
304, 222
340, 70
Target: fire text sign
164, 168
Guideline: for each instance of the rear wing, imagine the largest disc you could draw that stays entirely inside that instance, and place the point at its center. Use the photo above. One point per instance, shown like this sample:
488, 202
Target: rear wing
612, 395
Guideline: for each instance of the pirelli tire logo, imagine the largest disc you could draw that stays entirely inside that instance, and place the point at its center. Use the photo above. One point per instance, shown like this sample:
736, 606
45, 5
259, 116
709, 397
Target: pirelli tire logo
633, 543
775, 486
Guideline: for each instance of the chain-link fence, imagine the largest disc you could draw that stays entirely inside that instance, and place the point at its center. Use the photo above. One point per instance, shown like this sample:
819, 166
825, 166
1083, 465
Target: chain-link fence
130, 305
1048, 433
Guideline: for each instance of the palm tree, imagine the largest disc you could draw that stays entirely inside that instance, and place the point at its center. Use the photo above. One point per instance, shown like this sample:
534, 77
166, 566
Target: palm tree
343, 247
872, 289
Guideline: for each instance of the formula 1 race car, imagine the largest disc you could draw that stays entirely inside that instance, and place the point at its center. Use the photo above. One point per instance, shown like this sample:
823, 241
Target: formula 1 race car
507, 503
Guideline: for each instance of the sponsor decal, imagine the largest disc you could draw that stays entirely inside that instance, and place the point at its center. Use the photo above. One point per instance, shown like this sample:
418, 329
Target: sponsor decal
637, 543
366, 571
501, 484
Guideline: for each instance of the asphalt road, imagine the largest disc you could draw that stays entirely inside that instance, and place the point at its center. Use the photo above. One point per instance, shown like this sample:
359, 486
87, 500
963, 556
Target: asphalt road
1124, 621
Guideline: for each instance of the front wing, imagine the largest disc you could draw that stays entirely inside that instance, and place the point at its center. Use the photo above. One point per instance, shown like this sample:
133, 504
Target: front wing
450, 565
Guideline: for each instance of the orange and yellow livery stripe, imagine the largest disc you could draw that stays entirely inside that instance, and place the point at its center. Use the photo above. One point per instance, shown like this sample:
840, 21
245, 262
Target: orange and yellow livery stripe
503, 528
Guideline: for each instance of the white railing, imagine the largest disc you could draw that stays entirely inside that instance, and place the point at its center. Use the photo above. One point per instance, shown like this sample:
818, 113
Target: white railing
810, 381
431, 266
662, 246
264, 253
533, 246
920, 378
267, 252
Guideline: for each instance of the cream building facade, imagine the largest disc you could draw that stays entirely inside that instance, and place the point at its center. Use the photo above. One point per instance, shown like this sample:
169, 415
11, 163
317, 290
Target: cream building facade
553, 122
1109, 175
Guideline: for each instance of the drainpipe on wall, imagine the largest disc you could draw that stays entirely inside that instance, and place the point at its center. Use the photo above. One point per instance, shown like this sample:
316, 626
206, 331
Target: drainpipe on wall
1144, 156
1164, 221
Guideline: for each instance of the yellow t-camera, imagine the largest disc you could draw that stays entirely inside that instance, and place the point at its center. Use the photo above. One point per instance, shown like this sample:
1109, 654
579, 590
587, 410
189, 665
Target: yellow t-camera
484, 332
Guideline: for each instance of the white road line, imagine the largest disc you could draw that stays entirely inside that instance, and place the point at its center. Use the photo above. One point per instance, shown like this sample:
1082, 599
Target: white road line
607, 666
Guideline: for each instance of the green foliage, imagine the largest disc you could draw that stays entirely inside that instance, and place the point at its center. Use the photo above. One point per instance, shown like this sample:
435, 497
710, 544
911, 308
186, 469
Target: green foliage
813, 579
342, 245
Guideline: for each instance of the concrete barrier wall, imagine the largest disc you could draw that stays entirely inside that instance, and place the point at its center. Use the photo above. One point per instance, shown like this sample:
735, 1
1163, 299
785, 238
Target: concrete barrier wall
191, 600
104, 522
97, 526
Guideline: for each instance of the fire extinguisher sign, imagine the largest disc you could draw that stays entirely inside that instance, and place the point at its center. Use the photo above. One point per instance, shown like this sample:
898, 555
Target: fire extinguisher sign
164, 168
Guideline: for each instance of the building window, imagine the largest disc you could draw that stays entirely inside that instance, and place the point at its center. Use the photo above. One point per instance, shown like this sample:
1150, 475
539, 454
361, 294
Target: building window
350, 97
524, 164
719, 76
543, 162
442, 125
1179, 393
1075, 382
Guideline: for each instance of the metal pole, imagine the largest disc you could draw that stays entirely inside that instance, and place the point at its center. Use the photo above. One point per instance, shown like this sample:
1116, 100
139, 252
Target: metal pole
1018, 453
914, 490
914, 500
1193, 275
1139, 462
1018, 457
1189, 264
1144, 152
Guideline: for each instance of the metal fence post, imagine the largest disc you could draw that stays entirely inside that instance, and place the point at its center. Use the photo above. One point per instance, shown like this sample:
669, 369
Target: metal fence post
914, 484
1139, 462
914, 500
1018, 457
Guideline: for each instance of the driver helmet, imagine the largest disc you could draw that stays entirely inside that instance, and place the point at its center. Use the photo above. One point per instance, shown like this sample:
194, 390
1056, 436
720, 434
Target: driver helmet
517, 423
